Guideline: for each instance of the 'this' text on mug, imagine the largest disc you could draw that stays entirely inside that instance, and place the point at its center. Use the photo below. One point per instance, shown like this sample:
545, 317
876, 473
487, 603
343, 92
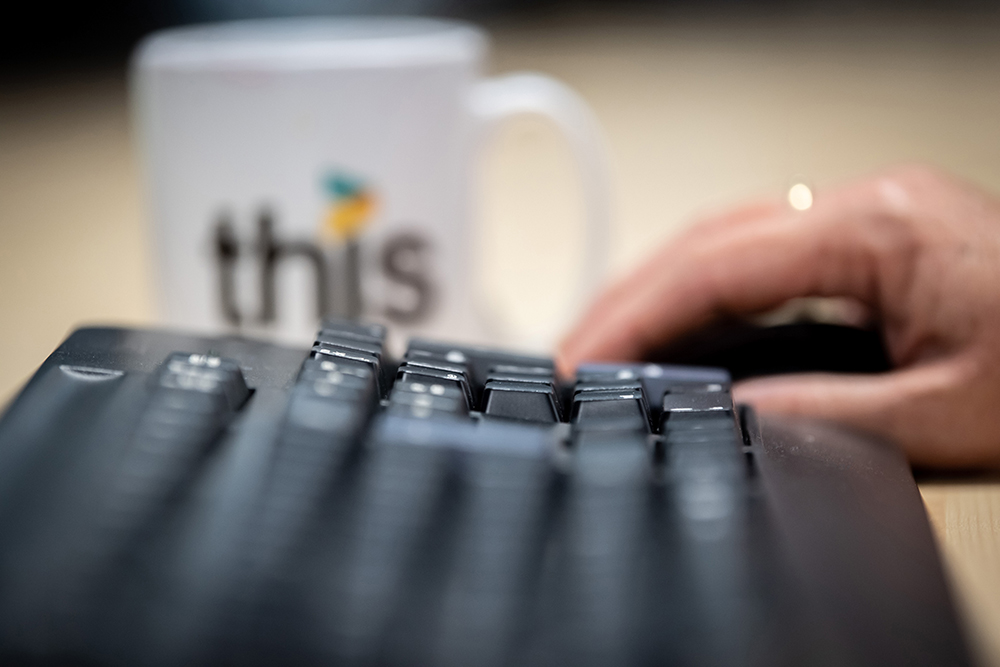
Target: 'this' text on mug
333, 258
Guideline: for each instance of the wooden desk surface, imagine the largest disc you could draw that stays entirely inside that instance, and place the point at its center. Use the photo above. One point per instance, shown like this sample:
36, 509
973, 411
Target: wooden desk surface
966, 519
696, 116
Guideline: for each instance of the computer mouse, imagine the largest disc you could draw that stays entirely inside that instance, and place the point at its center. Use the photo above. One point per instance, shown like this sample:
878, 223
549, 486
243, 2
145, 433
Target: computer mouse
748, 350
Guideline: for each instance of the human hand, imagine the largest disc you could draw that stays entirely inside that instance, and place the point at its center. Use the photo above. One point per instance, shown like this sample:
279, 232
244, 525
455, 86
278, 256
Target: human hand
919, 249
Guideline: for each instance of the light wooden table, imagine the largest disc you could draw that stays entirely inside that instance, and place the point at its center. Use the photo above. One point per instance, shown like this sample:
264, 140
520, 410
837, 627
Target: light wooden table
697, 115
966, 519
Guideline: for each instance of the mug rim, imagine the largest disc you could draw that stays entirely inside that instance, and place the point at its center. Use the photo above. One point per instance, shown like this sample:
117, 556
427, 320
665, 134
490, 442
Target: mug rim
312, 43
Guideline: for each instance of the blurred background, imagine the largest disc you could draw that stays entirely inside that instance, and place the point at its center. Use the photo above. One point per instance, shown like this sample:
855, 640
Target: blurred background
703, 104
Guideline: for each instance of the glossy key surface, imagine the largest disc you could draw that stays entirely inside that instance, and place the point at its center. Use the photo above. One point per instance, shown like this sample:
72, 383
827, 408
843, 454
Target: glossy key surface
523, 401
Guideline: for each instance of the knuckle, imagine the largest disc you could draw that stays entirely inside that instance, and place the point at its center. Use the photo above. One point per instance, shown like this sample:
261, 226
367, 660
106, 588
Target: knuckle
905, 189
915, 174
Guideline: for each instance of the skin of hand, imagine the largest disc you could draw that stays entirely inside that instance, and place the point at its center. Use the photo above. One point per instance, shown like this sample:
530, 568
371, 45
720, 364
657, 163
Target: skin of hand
918, 248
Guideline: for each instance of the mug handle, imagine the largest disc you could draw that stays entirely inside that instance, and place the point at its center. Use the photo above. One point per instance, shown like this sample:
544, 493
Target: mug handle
497, 99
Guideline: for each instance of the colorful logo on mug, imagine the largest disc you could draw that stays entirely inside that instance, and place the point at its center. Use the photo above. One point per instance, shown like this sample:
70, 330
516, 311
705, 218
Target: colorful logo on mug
350, 208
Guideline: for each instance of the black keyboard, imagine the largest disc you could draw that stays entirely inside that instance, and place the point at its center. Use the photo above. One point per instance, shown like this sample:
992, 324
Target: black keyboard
175, 500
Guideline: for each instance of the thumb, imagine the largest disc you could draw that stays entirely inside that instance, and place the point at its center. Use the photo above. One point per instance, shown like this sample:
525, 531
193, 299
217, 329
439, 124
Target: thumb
913, 407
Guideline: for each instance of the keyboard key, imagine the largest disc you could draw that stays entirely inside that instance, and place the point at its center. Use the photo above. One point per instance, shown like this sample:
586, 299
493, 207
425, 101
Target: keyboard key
205, 375
425, 400
695, 423
373, 333
697, 405
328, 409
328, 339
329, 363
604, 458
404, 497
337, 412
522, 374
468, 435
427, 375
480, 361
400, 501
607, 385
525, 401
454, 356
610, 410
436, 364
697, 387
337, 353
344, 373
193, 399
196, 395
497, 551
355, 342
333, 385
656, 379
699, 430
605, 521
607, 373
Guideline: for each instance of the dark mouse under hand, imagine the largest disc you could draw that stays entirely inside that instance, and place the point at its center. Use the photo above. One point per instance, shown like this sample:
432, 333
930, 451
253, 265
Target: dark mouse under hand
749, 350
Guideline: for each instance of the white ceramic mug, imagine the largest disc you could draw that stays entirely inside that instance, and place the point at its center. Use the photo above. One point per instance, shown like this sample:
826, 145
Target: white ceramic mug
310, 167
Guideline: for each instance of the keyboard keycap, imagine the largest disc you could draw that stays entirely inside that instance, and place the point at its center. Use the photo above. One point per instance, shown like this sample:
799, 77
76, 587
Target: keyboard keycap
610, 410
355, 342
656, 379
696, 424
524, 401
697, 387
604, 523
607, 373
418, 364
330, 345
425, 400
325, 382
193, 400
400, 501
497, 550
607, 385
697, 405
205, 375
373, 333
454, 362
480, 361
454, 356
337, 353
522, 374
426, 375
